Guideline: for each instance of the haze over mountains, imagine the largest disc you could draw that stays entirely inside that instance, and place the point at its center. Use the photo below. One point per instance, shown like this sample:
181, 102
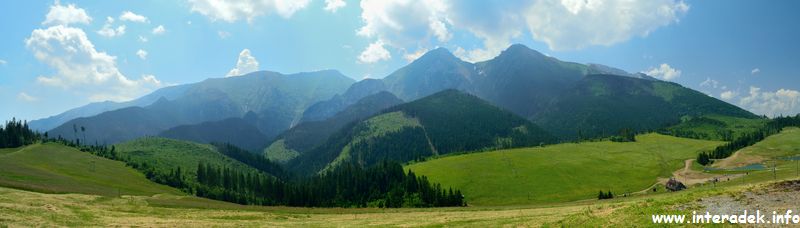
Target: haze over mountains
292, 115
276, 99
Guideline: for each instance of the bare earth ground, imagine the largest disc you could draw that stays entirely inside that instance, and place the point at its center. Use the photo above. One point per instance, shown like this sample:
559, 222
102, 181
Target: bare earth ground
738, 159
690, 177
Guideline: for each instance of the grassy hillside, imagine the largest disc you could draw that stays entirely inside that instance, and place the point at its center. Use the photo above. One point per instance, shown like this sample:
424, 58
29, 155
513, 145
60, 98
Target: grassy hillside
563, 172
166, 154
55, 168
715, 127
446, 122
236, 131
29, 209
307, 135
783, 148
377, 128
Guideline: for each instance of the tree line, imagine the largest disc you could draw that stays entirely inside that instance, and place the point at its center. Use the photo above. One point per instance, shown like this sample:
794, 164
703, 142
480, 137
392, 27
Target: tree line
383, 185
625, 135
772, 127
253, 160
16, 133
349, 185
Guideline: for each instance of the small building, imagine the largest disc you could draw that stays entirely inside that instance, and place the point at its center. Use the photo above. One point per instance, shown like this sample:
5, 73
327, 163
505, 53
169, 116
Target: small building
675, 185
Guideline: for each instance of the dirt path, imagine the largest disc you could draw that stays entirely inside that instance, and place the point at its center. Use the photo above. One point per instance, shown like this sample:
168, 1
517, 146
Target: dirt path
738, 159
690, 177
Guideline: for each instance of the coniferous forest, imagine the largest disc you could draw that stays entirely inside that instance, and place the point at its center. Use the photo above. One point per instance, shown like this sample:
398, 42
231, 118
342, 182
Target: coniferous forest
385, 184
16, 133
382, 185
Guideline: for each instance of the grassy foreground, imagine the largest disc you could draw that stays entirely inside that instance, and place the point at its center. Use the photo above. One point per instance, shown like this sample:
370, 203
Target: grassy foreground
165, 209
563, 172
55, 168
23, 208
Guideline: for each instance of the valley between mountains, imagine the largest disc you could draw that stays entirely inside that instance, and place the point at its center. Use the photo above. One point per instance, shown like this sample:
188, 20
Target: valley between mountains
522, 139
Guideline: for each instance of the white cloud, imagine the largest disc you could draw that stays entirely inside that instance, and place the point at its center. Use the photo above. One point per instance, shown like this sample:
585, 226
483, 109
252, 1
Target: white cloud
663, 72
234, 10
575, 24
334, 5
142, 54
78, 64
65, 15
3, 62
25, 97
223, 34
373, 53
132, 17
561, 24
149, 78
158, 30
755, 71
780, 102
710, 83
109, 31
244, 65
727, 95
143, 39
414, 55
403, 23
499, 23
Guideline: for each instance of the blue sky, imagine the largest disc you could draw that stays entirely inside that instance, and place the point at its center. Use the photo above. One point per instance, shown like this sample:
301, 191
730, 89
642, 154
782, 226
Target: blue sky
56, 55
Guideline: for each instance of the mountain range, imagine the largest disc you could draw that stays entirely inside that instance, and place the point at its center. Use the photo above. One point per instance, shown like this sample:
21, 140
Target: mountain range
445, 122
277, 100
310, 121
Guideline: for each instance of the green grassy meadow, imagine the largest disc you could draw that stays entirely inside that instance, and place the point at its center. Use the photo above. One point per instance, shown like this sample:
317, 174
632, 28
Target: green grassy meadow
54, 168
166, 154
91, 198
717, 126
563, 172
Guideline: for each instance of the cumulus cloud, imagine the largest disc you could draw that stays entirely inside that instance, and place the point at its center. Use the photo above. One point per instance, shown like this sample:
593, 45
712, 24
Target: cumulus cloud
561, 24
710, 83
727, 95
109, 31
403, 23
334, 5
133, 17
22, 96
234, 10
78, 64
575, 24
3, 62
244, 65
142, 54
499, 23
158, 30
143, 39
374, 52
663, 72
780, 102
755, 71
66, 15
